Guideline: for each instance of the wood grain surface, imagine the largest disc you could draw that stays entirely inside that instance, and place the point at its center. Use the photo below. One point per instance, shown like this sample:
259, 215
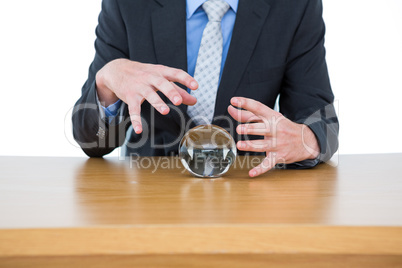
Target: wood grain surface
151, 212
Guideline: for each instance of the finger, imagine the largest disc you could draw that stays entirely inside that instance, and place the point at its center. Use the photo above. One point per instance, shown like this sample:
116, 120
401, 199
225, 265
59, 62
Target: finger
267, 164
262, 129
177, 75
255, 145
167, 88
188, 99
243, 115
134, 110
153, 98
254, 106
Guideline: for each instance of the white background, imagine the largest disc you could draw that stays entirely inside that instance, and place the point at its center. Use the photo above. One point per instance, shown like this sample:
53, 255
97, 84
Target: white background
46, 48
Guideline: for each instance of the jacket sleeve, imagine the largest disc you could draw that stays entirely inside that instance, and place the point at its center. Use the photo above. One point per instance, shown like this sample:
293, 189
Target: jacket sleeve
306, 96
95, 135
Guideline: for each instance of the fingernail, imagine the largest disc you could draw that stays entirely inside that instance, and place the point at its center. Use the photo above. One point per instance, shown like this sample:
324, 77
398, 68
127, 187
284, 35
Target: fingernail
137, 129
176, 100
235, 101
164, 109
253, 173
241, 145
194, 84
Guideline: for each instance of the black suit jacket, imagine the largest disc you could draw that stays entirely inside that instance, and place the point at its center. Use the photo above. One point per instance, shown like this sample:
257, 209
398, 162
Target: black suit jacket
277, 48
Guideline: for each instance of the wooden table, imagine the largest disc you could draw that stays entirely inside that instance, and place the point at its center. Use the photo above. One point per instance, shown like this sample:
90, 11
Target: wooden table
78, 212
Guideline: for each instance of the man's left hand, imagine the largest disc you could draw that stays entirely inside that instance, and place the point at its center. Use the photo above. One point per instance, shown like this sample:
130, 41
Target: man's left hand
284, 141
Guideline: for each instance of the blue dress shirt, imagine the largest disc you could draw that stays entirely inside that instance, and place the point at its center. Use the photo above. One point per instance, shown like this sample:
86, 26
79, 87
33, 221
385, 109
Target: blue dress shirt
197, 19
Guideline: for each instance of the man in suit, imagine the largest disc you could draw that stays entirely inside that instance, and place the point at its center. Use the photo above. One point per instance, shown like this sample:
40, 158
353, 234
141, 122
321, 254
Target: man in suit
142, 75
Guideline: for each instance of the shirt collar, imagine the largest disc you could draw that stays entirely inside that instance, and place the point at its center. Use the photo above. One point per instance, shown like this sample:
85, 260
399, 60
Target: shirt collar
193, 5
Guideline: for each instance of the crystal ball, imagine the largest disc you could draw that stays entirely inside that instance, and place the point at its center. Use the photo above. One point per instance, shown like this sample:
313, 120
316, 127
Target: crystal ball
207, 151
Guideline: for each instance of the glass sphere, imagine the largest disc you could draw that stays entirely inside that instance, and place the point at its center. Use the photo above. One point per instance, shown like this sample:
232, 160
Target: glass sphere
207, 151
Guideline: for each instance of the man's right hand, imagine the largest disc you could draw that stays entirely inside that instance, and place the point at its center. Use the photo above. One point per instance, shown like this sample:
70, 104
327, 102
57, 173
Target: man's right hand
134, 82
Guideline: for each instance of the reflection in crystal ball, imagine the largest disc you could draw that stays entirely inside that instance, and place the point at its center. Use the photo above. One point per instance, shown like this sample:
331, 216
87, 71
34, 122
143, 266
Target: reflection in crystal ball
207, 151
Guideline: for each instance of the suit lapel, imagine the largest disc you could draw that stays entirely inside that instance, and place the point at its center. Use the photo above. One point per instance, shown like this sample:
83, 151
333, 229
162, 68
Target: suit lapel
250, 18
169, 33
